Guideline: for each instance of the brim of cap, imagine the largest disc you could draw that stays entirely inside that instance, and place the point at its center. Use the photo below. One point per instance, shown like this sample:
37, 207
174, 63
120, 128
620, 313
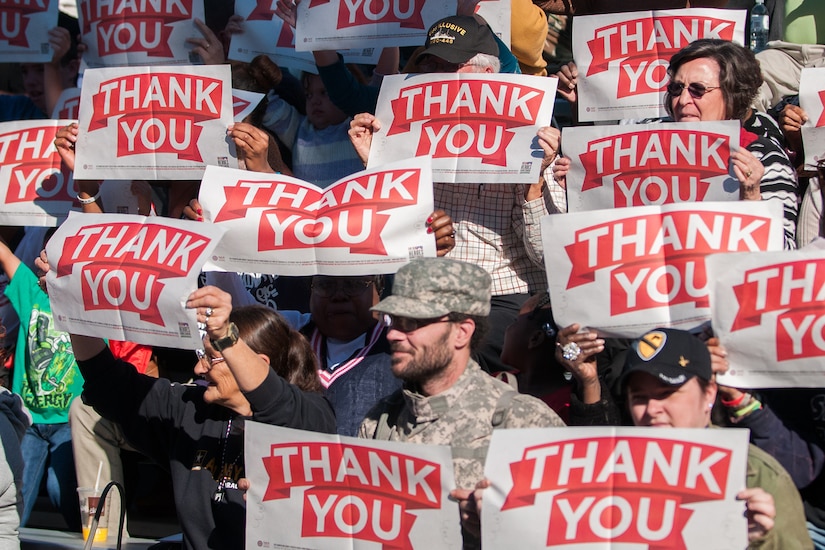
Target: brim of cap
671, 375
445, 52
408, 307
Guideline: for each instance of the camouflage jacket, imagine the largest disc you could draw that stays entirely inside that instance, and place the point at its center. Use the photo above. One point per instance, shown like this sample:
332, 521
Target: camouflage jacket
463, 417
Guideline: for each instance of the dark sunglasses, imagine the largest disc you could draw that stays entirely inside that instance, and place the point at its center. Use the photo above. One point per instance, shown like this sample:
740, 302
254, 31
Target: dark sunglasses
696, 90
408, 324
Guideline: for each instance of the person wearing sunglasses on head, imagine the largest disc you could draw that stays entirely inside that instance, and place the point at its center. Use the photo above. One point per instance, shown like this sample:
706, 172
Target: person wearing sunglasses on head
713, 79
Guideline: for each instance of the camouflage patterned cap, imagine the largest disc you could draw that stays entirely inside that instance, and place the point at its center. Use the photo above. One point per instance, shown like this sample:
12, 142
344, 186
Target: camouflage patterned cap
432, 287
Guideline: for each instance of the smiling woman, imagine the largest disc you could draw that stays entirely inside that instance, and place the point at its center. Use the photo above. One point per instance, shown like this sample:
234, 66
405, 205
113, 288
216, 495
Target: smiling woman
718, 80
255, 367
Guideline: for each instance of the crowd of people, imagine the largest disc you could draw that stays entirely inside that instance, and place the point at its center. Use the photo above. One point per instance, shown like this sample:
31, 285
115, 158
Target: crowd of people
443, 352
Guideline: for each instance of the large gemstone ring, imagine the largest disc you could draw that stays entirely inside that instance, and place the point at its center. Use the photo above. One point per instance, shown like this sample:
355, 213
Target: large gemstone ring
571, 351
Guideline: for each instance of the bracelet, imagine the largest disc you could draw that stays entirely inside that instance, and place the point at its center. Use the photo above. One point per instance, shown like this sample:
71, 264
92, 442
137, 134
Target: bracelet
736, 402
741, 413
90, 200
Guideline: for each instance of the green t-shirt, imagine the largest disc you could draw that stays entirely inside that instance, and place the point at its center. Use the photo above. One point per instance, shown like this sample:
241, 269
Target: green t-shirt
45, 372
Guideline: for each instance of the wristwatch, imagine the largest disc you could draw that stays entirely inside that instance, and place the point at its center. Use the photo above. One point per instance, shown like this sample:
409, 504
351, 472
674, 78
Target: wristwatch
227, 341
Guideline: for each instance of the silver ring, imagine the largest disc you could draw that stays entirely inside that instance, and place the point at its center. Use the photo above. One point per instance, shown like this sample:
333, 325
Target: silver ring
208, 312
571, 351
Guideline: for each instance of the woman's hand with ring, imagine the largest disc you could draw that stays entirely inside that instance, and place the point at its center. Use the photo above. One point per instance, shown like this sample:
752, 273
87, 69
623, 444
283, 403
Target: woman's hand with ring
749, 171
212, 306
576, 351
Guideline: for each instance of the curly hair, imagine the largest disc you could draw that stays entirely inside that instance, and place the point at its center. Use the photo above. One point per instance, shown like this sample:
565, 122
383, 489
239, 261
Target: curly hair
739, 74
290, 355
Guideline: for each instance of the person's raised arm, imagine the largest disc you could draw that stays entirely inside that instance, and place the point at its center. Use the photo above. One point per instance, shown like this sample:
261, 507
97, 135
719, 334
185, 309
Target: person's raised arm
83, 347
53, 84
213, 307
8, 260
361, 130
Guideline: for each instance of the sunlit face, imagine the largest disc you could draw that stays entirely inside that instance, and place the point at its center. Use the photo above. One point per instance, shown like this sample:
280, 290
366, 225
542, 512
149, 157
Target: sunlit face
422, 353
223, 388
321, 111
711, 106
654, 403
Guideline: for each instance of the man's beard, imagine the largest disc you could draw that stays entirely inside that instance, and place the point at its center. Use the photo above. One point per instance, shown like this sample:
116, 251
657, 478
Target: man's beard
432, 360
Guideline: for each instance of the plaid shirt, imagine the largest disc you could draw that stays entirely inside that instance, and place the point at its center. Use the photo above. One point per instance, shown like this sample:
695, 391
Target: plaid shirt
499, 231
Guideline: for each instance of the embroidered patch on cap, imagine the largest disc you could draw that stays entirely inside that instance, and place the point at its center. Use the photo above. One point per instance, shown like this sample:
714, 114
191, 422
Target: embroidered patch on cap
651, 344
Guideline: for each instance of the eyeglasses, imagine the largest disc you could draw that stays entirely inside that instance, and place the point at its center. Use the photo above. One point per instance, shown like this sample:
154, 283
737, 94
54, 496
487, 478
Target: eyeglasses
696, 90
207, 361
408, 324
326, 288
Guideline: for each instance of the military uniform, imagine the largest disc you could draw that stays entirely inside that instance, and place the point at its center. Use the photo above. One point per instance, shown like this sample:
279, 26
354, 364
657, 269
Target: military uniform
465, 414
462, 417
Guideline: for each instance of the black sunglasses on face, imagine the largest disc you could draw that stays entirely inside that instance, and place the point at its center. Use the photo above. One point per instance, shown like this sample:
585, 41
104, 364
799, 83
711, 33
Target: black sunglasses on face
696, 90
408, 324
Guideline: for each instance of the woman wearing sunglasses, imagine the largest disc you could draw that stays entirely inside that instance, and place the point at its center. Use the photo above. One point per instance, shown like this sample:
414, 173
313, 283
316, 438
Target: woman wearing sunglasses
718, 80
254, 367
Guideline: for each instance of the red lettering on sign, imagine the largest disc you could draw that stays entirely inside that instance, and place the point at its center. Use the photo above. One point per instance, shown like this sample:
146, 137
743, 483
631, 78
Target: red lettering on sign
619, 489
643, 47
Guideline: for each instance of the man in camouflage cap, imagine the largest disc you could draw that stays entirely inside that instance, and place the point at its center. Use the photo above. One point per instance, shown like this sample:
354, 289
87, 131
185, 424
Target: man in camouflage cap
436, 315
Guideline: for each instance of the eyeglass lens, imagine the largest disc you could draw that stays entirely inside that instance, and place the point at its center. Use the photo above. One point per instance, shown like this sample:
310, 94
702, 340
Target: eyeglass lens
695, 89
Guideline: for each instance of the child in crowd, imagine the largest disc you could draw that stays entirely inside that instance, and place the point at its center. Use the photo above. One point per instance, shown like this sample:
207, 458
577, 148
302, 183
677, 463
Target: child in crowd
319, 141
47, 378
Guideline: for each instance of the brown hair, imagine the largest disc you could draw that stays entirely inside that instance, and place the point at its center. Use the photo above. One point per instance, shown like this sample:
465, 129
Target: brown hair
739, 74
290, 355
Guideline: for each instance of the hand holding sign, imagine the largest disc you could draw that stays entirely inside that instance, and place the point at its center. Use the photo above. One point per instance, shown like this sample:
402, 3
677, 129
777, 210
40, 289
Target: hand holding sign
361, 130
64, 142
761, 511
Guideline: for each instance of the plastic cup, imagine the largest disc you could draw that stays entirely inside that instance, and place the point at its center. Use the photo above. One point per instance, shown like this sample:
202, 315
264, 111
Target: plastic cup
89, 501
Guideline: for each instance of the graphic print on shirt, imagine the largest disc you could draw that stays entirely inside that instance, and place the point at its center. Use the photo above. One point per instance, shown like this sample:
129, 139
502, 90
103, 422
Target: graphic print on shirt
50, 372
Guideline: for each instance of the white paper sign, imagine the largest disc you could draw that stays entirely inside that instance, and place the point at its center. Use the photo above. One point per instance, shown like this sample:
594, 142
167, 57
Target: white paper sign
650, 164
127, 277
117, 196
124, 32
369, 222
261, 25
156, 122
812, 101
37, 189
479, 128
497, 15
333, 492
629, 270
67, 105
623, 57
244, 102
341, 24
596, 488
24, 30
769, 313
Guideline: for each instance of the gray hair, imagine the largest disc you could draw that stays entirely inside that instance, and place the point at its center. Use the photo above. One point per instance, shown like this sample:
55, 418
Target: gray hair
483, 61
